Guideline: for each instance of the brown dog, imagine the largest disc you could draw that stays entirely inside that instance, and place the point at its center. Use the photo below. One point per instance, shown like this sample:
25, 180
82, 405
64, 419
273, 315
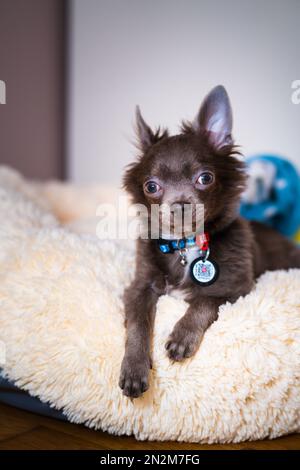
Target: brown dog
199, 165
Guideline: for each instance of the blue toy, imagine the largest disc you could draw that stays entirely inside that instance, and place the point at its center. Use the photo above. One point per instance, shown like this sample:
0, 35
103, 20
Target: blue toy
273, 194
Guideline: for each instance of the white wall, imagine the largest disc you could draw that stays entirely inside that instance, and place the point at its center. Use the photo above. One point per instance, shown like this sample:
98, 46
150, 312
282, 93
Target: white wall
165, 55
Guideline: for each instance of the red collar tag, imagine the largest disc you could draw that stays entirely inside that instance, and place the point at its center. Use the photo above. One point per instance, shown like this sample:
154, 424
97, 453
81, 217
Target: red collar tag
204, 271
202, 241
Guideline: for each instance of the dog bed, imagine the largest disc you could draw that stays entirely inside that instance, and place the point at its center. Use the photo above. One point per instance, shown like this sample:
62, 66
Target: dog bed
62, 331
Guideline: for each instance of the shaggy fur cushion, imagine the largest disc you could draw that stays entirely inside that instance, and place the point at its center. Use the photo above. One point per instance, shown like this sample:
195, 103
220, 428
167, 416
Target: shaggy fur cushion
62, 331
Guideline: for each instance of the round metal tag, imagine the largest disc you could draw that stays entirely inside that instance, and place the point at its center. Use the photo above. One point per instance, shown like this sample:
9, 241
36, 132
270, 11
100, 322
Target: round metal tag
204, 272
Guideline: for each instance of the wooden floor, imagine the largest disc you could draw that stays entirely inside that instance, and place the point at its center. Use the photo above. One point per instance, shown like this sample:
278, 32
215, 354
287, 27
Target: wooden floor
22, 430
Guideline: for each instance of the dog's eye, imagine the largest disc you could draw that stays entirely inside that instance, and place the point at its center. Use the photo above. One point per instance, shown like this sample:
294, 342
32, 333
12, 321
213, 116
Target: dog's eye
151, 187
205, 178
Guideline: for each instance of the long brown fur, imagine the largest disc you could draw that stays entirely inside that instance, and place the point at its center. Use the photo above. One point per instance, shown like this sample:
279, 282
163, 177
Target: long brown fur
242, 250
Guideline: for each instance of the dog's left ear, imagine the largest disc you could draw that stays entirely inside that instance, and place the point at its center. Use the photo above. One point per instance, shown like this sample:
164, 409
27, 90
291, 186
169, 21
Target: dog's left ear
215, 118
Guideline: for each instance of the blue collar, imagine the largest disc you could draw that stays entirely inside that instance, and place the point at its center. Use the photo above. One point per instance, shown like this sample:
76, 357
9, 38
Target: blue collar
169, 246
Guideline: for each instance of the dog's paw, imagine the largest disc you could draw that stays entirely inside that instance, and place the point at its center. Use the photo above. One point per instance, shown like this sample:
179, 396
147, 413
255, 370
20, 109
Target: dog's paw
183, 343
134, 376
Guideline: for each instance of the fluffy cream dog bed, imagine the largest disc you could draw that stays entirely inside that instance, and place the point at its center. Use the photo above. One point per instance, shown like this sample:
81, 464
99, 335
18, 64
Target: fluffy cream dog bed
61, 323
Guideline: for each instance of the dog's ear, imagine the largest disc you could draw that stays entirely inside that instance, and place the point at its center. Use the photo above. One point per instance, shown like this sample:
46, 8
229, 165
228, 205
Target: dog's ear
146, 137
215, 118
144, 134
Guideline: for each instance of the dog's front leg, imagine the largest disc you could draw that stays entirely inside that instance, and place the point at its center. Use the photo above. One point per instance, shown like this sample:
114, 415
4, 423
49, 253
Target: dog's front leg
140, 306
188, 332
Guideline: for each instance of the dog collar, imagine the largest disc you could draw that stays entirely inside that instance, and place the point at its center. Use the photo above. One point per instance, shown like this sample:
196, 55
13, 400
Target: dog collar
169, 246
202, 270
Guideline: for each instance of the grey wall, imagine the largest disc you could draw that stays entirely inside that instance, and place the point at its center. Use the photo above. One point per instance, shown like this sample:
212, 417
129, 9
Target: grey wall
165, 55
32, 43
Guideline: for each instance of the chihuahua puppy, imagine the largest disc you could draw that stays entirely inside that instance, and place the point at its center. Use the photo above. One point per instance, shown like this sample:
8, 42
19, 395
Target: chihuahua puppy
198, 166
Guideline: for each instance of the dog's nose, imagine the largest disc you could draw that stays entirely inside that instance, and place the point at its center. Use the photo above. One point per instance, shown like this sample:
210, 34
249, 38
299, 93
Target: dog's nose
181, 205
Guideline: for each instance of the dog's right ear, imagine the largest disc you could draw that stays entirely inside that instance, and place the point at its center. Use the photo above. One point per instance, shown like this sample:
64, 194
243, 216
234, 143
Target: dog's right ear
144, 133
146, 137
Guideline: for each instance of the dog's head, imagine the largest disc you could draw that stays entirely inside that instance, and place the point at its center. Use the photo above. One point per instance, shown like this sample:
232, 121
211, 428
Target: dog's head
198, 166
